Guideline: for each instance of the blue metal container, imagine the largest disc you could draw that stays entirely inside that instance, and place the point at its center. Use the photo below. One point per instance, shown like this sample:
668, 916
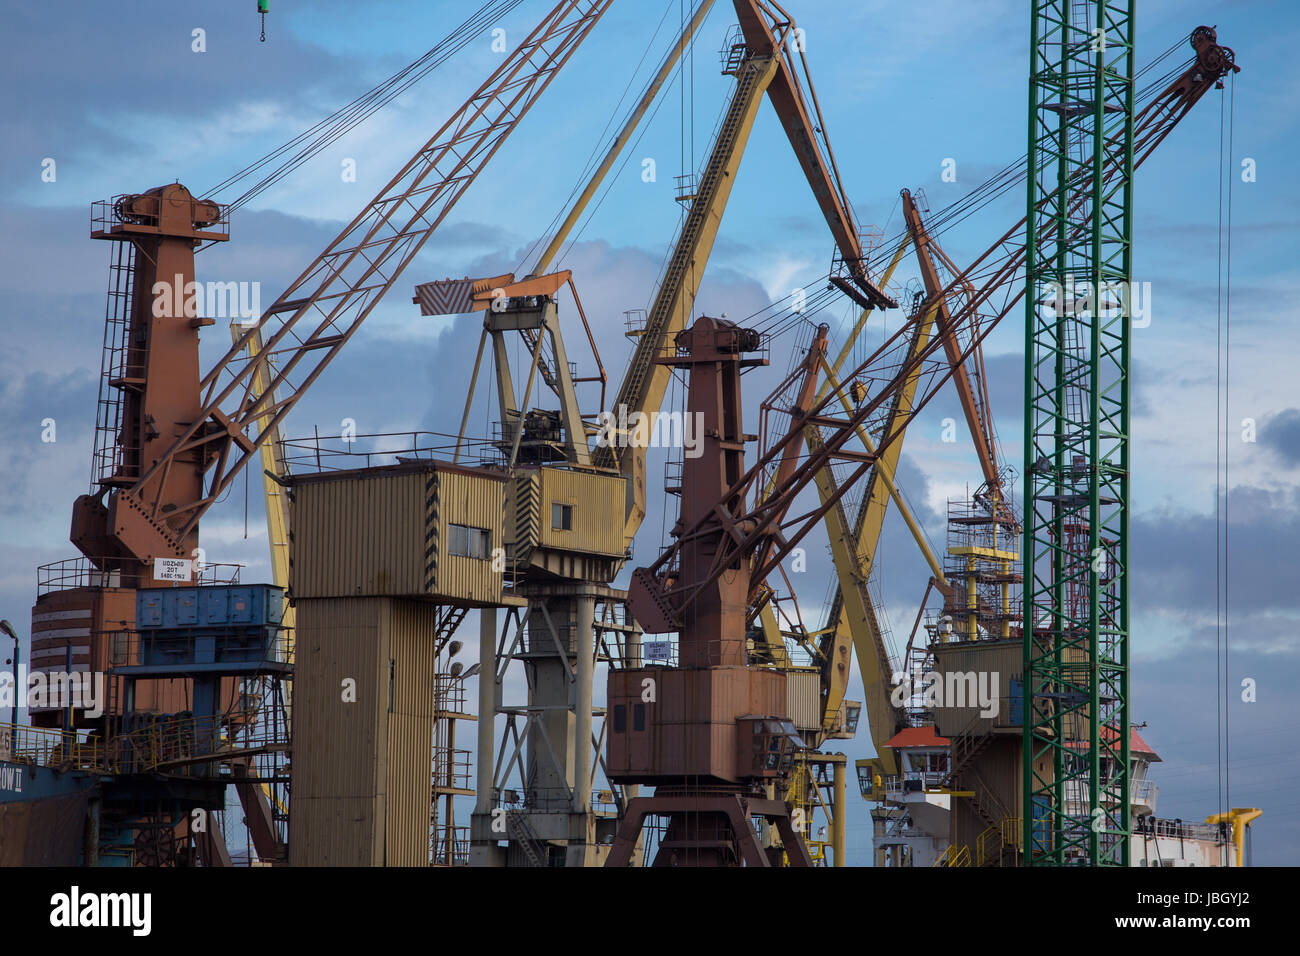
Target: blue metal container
209, 606
217, 629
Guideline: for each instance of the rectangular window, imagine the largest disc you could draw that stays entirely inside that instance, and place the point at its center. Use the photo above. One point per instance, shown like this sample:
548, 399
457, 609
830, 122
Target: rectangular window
620, 718
562, 517
468, 542
638, 716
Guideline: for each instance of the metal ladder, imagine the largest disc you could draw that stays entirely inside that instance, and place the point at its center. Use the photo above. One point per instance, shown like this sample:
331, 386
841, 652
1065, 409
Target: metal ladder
651, 341
117, 374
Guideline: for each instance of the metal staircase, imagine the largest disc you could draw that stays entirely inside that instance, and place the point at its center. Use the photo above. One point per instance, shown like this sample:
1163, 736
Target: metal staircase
965, 747
999, 844
522, 832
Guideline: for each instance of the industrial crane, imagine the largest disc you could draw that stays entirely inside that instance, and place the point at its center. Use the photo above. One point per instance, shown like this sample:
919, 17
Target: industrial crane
990, 273
764, 59
956, 303
148, 511
169, 443
712, 732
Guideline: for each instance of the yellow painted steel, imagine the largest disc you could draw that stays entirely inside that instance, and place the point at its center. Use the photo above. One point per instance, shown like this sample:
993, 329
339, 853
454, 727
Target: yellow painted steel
837, 677
990, 843
853, 554
838, 823
596, 503
625, 134
871, 533
954, 855
1240, 818
645, 382
770, 634
277, 498
973, 554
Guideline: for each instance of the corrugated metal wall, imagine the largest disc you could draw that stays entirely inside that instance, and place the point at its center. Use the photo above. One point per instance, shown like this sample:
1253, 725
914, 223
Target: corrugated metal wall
358, 536
597, 502
411, 627
377, 534
1005, 658
478, 502
338, 806
804, 699
997, 785
361, 770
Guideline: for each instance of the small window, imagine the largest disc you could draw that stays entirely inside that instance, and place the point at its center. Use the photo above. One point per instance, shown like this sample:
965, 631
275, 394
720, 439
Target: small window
638, 716
620, 718
468, 542
561, 517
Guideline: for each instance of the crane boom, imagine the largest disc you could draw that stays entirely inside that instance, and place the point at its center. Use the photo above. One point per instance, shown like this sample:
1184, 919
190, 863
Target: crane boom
320, 311
659, 603
644, 383
762, 64
768, 31
973, 394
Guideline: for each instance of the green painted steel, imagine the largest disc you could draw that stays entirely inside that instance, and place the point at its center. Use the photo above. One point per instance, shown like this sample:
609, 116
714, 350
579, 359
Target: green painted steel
1078, 275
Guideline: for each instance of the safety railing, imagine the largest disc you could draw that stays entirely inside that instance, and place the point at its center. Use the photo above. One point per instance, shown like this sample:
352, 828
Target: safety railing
451, 769
954, 855
324, 453
81, 572
177, 744
47, 747
1180, 830
553, 799
449, 846
896, 786
145, 209
132, 648
1145, 793
989, 845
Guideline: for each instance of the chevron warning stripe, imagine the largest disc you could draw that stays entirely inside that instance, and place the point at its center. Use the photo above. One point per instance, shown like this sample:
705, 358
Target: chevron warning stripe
444, 297
457, 296
528, 513
431, 531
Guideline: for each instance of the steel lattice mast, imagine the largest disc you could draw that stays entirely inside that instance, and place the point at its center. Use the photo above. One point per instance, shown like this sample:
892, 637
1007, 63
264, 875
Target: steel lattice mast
1079, 267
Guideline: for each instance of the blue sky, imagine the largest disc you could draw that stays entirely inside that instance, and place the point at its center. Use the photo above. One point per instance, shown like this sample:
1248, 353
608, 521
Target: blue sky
115, 95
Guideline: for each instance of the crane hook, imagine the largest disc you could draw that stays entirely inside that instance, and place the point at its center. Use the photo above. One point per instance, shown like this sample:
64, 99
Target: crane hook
263, 7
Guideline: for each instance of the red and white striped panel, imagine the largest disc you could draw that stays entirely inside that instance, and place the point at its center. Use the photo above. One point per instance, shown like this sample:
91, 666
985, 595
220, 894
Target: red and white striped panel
60, 642
445, 297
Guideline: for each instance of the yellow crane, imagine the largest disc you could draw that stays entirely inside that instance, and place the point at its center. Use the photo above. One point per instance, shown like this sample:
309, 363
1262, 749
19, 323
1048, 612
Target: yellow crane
852, 617
763, 61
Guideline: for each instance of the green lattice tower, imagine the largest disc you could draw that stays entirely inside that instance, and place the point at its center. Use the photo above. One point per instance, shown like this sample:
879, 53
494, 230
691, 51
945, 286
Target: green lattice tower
1078, 270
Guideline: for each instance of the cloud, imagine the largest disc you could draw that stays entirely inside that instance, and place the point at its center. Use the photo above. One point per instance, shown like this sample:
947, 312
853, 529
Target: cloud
1173, 554
1280, 434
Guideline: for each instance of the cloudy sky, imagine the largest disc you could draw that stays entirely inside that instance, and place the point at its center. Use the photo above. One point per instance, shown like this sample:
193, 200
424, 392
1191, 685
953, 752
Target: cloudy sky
118, 99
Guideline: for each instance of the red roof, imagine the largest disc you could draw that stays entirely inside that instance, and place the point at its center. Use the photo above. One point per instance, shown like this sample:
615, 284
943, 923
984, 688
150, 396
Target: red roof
916, 737
1136, 745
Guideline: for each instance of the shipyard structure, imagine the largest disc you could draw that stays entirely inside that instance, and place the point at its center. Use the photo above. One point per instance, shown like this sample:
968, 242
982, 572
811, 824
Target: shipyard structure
469, 656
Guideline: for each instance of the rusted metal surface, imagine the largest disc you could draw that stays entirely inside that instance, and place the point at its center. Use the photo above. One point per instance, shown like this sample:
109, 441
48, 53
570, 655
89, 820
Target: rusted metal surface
152, 379
712, 732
